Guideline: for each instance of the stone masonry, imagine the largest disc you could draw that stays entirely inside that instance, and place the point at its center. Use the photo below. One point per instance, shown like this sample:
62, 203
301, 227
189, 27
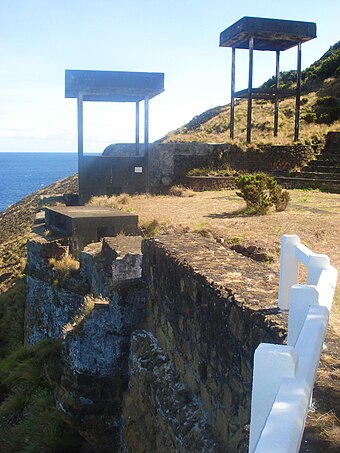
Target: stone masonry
157, 344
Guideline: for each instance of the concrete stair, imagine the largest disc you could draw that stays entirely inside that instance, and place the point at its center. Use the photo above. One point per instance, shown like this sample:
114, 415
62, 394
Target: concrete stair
322, 173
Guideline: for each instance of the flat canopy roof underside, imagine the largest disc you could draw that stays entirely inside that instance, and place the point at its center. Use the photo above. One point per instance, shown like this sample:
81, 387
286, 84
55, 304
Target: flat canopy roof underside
269, 34
113, 86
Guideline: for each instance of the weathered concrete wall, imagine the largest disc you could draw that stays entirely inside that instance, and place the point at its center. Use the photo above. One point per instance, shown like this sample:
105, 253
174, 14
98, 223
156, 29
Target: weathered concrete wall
110, 176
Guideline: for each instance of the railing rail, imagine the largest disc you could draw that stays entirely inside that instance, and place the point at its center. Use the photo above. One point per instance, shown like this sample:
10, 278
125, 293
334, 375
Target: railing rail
284, 375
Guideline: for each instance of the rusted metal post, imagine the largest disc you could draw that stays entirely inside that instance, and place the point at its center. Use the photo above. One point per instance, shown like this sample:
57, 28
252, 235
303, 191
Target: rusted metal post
137, 128
250, 87
232, 101
80, 146
298, 93
276, 108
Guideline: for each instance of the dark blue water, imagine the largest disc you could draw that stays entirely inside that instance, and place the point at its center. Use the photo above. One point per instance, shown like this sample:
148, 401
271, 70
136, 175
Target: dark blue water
23, 173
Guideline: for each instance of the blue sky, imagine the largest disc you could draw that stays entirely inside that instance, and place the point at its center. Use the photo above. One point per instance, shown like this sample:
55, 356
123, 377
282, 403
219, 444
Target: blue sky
39, 39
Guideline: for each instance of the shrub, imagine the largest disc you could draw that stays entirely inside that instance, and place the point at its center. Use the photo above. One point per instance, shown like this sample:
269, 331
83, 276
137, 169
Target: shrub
309, 117
260, 192
327, 110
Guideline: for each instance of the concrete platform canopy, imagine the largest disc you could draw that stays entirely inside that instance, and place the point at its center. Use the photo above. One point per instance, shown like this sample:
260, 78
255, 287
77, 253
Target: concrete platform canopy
256, 33
112, 86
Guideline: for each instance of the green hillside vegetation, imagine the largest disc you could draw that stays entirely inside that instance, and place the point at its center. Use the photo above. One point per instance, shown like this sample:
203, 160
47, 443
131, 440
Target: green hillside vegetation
320, 110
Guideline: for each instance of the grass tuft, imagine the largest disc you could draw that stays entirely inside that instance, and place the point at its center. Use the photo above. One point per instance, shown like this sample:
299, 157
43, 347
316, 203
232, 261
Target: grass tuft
180, 191
65, 266
149, 228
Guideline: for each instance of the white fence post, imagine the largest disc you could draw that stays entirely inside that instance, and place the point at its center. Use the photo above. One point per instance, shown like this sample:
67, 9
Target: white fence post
272, 362
283, 376
289, 268
316, 264
301, 298
326, 286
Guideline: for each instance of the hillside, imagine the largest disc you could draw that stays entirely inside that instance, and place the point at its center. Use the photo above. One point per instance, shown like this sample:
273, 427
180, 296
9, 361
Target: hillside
16, 222
320, 110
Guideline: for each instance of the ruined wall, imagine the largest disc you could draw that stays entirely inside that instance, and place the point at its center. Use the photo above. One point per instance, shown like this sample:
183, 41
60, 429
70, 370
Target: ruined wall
207, 310
94, 312
161, 360
52, 299
161, 414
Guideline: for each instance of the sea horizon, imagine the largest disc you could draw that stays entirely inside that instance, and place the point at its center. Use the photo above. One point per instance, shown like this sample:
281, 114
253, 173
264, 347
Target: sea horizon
24, 172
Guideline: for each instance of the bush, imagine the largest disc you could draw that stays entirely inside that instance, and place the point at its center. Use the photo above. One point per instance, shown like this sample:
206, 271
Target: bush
260, 192
327, 110
309, 117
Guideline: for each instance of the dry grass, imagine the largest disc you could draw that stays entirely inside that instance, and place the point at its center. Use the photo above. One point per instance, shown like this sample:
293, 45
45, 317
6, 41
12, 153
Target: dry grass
216, 130
66, 265
115, 201
180, 191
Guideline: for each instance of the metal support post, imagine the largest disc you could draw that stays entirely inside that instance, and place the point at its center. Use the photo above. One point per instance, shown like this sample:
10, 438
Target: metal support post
298, 94
232, 101
276, 108
137, 128
80, 146
146, 142
146, 126
250, 87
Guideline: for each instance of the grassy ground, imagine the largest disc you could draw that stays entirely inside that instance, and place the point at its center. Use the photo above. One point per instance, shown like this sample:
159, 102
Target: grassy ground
315, 217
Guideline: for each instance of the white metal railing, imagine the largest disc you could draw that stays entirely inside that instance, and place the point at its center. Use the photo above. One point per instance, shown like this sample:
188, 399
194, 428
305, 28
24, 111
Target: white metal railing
284, 375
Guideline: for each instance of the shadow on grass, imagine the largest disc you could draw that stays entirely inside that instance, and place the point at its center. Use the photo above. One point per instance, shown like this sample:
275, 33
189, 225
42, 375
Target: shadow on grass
244, 212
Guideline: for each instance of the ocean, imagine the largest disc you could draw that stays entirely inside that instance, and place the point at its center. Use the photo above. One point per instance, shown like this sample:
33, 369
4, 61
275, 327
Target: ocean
24, 173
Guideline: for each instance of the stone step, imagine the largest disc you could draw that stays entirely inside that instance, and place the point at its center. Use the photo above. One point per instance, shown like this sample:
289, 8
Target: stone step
332, 149
328, 158
317, 175
316, 166
333, 139
291, 182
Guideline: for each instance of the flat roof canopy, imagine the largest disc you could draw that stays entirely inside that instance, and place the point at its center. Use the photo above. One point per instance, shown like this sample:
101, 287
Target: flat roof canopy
113, 86
269, 34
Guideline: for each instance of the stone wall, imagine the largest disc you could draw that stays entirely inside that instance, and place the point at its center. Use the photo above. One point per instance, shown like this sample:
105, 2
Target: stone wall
53, 300
93, 312
161, 413
157, 346
207, 310
169, 162
201, 183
